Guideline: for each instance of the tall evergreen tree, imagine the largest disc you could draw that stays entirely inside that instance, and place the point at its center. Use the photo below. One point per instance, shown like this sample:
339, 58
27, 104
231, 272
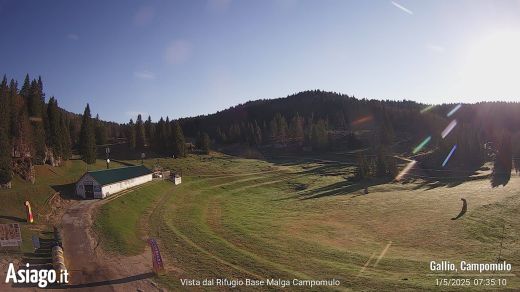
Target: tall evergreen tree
503, 162
149, 130
65, 138
55, 140
319, 138
257, 134
25, 91
160, 136
385, 164
168, 138
5, 145
179, 143
139, 133
14, 104
131, 133
87, 140
5, 103
36, 106
6, 173
101, 132
204, 143
20, 124
362, 168
296, 132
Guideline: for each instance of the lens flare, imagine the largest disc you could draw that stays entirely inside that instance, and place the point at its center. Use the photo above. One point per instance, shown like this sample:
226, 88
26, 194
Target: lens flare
362, 120
427, 108
35, 119
448, 129
405, 170
449, 155
421, 146
454, 110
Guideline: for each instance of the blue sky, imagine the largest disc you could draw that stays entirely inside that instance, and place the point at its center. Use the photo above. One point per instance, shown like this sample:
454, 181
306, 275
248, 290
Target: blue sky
184, 58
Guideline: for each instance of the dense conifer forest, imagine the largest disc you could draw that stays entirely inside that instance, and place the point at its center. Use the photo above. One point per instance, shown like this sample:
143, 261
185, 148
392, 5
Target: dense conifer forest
35, 130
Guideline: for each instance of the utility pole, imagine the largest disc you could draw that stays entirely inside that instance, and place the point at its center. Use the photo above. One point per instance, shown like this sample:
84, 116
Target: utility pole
107, 151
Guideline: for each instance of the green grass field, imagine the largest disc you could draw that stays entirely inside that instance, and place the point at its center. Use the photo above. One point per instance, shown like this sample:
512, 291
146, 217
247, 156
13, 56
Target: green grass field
49, 180
237, 218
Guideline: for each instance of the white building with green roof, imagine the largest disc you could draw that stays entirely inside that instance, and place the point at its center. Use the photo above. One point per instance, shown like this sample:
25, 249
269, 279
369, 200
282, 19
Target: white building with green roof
102, 183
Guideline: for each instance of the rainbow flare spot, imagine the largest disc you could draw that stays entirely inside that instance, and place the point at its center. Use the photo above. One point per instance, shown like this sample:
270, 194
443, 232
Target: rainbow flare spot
454, 110
421, 146
427, 108
449, 155
362, 120
405, 170
448, 129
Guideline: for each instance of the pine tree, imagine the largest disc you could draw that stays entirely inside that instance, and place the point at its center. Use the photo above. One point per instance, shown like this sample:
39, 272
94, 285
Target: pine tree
203, 143
319, 138
14, 104
159, 137
5, 103
503, 162
36, 106
296, 129
258, 134
26, 88
6, 173
65, 138
168, 143
149, 130
385, 165
139, 133
5, 145
20, 124
362, 168
55, 129
101, 132
178, 141
87, 140
131, 134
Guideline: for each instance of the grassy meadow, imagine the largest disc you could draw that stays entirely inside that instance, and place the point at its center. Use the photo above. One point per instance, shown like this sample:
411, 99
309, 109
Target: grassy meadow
243, 218
49, 181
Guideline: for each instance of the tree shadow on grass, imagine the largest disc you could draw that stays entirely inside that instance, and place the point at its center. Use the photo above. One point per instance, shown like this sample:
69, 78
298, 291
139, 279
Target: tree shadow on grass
13, 218
436, 178
433, 184
347, 187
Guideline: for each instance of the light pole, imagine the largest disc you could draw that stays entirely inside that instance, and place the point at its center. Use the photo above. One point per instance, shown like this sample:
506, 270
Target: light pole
107, 151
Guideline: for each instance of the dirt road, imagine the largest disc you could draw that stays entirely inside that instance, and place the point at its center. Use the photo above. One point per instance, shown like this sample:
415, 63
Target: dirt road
90, 268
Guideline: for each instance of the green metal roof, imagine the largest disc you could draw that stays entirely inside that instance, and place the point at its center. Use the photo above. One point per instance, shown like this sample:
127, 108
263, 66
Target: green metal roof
110, 176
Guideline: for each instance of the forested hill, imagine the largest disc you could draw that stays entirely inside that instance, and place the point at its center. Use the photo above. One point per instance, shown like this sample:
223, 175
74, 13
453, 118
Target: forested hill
35, 130
320, 118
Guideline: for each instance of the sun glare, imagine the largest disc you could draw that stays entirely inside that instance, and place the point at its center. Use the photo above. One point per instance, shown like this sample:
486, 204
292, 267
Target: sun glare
492, 67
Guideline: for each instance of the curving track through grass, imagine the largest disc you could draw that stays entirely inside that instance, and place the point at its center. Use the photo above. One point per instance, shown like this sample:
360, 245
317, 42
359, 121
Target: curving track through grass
249, 224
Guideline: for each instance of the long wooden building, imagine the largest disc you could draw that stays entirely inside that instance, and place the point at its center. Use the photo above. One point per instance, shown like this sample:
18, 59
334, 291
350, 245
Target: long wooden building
102, 183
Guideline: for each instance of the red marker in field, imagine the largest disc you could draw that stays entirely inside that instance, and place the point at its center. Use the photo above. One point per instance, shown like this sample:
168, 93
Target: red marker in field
156, 257
29, 212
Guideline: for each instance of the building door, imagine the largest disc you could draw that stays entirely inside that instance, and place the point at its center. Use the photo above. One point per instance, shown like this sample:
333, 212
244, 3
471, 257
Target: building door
89, 191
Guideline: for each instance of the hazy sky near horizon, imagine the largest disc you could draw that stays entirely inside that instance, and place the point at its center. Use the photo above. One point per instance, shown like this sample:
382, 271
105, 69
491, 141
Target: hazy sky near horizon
184, 58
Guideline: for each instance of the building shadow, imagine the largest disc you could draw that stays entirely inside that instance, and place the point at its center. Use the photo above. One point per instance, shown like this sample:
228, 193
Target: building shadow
66, 191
